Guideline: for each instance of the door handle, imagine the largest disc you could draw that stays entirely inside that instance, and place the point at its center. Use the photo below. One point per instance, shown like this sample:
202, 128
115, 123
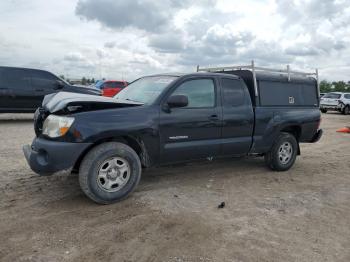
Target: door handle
214, 118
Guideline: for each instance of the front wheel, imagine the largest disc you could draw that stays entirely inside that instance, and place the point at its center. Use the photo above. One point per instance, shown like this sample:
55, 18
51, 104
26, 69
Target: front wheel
283, 153
109, 172
324, 110
346, 110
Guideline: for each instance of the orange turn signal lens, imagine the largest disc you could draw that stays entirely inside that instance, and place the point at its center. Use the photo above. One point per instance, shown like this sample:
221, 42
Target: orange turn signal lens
63, 130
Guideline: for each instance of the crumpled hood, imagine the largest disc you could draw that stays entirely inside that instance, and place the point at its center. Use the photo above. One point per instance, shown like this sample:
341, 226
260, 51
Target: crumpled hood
75, 102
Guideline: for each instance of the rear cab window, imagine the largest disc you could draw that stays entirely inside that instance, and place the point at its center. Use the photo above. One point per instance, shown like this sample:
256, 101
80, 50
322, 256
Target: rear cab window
232, 92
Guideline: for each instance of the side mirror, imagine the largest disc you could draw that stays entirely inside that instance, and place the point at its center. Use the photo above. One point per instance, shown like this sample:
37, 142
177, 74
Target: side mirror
177, 101
59, 84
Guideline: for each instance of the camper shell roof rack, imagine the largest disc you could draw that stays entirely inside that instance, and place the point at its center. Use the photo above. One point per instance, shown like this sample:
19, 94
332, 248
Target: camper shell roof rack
254, 69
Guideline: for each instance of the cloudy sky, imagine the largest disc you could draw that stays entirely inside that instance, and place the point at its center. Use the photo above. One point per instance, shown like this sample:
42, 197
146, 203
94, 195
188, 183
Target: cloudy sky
130, 38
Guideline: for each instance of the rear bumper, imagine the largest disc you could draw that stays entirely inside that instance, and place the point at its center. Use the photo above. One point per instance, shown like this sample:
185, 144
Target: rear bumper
47, 157
317, 136
329, 107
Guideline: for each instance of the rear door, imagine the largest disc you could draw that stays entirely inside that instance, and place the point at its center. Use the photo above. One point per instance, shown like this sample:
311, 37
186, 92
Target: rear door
238, 117
5, 97
16, 89
192, 132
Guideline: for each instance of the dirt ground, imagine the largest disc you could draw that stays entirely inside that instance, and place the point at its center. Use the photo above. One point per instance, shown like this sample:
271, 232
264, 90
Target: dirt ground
299, 215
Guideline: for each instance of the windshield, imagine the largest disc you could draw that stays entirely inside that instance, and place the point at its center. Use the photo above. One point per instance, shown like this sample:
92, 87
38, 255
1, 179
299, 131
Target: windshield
332, 95
146, 89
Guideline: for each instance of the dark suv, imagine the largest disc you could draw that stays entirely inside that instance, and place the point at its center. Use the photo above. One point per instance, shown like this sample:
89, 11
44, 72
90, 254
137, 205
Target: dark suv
23, 89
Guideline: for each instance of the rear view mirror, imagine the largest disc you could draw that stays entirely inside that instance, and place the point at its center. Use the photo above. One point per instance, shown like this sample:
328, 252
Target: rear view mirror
59, 84
177, 101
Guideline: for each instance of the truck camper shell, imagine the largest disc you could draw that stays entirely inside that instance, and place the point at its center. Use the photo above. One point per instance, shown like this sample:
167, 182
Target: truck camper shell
290, 88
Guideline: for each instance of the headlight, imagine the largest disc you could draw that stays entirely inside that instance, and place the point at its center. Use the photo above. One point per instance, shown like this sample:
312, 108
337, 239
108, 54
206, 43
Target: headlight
56, 126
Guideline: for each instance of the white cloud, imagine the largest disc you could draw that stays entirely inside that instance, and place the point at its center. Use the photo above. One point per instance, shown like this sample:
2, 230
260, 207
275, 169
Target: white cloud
115, 38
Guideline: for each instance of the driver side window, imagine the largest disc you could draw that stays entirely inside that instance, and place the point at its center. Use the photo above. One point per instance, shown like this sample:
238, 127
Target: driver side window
200, 93
43, 80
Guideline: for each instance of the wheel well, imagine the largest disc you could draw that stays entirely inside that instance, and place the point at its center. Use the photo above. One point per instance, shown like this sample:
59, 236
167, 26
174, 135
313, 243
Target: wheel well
295, 131
135, 143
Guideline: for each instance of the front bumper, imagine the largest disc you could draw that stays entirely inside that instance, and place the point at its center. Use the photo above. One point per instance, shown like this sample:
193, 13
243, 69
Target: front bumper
317, 136
341, 107
46, 157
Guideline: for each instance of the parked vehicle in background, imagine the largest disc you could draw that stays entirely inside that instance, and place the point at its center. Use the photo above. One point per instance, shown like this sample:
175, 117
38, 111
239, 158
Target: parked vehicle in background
322, 94
110, 88
335, 101
23, 89
171, 118
344, 104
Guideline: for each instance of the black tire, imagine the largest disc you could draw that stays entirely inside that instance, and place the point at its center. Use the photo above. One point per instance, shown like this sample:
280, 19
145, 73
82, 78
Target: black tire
272, 158
324, 111
90, 167
346, 110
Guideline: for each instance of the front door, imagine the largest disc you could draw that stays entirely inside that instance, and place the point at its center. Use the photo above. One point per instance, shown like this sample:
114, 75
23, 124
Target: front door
43, 83
194, 131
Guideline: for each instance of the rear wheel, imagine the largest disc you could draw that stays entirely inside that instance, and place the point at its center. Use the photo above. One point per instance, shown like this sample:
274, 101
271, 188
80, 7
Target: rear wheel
283, 153
109, 172
346, 110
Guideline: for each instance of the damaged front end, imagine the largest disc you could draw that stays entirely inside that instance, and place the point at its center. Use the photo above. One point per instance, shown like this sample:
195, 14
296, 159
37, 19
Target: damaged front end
66, 103
59, 140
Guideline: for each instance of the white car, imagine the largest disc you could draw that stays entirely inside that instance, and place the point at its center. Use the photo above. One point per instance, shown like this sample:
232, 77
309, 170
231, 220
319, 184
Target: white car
335, 101
344, 104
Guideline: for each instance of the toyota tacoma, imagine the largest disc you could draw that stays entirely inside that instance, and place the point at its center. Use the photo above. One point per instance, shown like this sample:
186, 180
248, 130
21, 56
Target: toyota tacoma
171, 118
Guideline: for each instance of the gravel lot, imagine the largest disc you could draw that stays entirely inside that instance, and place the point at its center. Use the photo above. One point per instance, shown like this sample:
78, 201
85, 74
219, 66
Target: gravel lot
299, 215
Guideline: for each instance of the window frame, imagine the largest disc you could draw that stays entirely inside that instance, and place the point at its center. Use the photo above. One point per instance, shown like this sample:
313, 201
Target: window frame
177, 85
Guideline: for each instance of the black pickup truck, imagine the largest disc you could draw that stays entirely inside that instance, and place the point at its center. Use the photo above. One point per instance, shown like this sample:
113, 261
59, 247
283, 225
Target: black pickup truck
171, 118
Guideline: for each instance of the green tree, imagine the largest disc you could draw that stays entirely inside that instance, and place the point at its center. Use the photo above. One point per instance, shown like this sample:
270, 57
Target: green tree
83, 81
62, 76
340, 86
325, 86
